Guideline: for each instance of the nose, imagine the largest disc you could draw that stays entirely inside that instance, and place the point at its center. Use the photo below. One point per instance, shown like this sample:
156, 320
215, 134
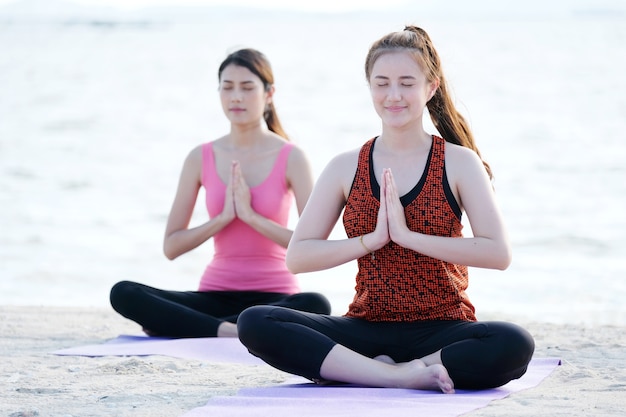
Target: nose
394, 93
236, 95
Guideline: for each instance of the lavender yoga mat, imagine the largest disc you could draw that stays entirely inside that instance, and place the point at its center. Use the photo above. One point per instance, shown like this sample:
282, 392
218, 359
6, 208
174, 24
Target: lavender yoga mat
222, 350
304, 399
299, 396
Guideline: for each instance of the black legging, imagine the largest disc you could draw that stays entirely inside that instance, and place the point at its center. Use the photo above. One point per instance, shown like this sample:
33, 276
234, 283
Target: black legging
477, 355
195, 313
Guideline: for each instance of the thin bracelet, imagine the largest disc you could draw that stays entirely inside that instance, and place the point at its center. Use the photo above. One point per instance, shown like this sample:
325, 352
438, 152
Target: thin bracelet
366, 248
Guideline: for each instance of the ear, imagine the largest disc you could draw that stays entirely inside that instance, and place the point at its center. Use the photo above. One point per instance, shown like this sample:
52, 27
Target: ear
270, 93
434, 85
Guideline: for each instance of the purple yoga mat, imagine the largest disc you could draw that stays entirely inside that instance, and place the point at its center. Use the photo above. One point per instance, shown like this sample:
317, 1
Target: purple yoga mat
212, 349
303, 399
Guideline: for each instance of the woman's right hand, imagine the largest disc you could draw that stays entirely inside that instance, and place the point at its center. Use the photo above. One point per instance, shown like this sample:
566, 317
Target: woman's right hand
396, 219
380, 236
228, 213
179, 237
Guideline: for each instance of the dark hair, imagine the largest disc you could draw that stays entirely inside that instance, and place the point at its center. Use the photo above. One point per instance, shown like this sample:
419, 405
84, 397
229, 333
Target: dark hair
448, 121
260, 66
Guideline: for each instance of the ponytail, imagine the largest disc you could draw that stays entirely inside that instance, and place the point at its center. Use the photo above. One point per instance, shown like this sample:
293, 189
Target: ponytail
450, 123
272, 121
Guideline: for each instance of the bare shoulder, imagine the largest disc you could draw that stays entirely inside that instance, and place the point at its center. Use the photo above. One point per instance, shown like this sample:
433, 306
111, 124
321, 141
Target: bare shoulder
466, 173
272, 141
194, 157
299, 168
341, 169
297, 155
461, 160
459, 152
196, 151
345, 163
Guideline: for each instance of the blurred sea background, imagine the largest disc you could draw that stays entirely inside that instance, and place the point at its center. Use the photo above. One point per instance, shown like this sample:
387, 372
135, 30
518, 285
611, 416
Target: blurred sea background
99, 107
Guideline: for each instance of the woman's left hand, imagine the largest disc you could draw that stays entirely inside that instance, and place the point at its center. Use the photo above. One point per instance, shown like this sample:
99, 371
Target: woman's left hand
241, 195
395, 211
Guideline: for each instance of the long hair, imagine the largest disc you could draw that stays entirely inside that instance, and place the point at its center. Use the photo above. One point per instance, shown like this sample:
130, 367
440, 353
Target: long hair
449, 122
260, 66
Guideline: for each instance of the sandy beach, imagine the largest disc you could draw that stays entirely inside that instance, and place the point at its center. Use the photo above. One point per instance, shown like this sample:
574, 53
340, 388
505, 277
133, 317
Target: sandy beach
98, 111
591, 381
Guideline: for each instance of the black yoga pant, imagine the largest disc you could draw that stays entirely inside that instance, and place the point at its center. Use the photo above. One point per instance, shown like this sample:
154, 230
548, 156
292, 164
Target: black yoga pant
477, 355
195, 313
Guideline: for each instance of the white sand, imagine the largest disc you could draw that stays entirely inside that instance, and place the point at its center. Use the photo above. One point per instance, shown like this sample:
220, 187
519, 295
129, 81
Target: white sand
591, 381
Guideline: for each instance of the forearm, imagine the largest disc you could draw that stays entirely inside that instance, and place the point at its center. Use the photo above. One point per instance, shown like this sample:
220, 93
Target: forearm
315, 255
182, 241
479, 252
270, 229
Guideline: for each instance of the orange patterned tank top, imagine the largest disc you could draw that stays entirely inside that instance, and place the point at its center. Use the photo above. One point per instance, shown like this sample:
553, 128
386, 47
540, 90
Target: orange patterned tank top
399, 284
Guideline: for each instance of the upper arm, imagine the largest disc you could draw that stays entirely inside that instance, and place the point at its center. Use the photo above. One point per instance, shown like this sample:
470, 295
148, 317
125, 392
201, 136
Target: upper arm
187, 192
474, 191
327, 199
299, 177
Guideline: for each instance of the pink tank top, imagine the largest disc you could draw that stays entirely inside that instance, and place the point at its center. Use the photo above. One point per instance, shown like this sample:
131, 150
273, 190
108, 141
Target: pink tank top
245, 260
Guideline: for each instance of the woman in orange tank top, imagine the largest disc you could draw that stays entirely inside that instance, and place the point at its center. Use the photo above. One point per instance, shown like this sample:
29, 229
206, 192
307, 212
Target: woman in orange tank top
403, 193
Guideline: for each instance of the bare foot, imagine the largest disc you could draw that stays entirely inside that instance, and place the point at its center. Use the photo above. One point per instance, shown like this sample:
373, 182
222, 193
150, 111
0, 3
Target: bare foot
428, 377
148, 332
384, 359
227, 329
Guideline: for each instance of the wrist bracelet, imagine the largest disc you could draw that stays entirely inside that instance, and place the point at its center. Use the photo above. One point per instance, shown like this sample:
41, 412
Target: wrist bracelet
365, 247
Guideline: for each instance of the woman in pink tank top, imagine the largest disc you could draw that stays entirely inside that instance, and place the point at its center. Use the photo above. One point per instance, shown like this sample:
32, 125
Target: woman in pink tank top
250, 177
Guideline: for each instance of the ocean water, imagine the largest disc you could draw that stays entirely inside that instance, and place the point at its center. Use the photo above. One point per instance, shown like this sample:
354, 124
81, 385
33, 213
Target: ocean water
97, 115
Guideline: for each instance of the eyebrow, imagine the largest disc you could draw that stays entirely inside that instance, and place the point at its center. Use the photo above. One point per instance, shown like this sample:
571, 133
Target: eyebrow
243, 82
402, 77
